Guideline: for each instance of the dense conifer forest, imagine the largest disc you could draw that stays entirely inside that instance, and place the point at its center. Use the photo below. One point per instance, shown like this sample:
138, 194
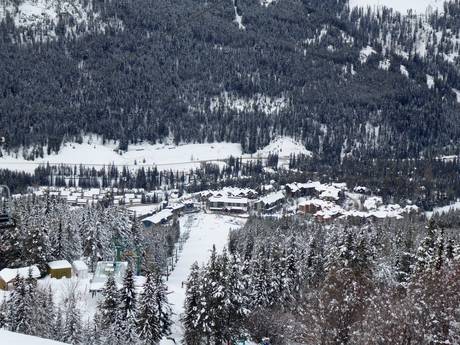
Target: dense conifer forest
148, 71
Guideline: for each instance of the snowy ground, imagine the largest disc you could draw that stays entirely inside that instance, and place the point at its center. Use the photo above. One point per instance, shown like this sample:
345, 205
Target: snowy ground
10, 338
182, 157
206, 230
444, 209
419, 6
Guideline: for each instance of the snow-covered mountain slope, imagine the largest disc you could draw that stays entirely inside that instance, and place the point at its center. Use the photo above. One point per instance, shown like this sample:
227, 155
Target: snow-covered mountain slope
419, 6
49, 18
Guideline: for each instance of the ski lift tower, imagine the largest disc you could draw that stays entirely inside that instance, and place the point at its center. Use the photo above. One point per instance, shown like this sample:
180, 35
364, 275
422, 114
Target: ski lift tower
6, 219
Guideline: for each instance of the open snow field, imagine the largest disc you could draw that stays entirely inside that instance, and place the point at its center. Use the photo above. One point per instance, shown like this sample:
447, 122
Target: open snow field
444, 209
418, 6
166, 157
10, 338
206, 230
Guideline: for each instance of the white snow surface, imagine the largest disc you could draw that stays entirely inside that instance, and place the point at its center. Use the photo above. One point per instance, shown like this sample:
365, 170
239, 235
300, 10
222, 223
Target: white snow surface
418, 6
444, 209
11, 338
206, 230
404, 71
284, 146
164, 156
365, 53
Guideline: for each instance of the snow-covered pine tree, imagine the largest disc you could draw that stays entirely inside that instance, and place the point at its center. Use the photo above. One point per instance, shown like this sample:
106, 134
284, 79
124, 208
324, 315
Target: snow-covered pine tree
426, 256
238, 302
58, 326
108, 306
72, 332
21, 307
192, 319
213, 299
164, 308
148, 318
126, 317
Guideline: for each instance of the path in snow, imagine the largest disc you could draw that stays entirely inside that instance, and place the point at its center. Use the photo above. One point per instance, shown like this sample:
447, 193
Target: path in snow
206, 230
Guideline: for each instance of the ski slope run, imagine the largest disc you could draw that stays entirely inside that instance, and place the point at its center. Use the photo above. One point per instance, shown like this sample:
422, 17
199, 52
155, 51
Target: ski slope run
205, 230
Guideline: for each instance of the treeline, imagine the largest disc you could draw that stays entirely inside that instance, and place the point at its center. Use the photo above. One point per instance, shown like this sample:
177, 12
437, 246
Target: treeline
394, 282
176, 66
123, 315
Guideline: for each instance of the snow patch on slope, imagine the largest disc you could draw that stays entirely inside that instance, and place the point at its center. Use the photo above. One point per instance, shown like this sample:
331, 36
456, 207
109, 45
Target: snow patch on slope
284, 146
404, 71
267, 3
44, 15
418, 6
365, 53
267, 105
238, 17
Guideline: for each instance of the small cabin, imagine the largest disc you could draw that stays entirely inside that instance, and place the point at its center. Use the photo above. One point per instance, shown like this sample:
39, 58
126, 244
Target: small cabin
60, 269
7, 275
80, 268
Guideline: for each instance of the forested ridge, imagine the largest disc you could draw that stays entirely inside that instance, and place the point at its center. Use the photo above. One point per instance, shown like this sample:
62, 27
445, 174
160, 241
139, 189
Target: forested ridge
152, 70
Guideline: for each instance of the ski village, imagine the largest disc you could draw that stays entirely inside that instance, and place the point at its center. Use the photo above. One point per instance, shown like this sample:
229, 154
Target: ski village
230, 172
146, 264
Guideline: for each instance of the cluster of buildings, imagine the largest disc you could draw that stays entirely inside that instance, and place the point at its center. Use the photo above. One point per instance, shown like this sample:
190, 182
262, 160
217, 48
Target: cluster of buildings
326, 202
77, 196
241, 201
56, 269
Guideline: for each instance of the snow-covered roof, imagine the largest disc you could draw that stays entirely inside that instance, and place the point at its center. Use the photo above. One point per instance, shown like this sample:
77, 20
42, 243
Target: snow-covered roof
7, 338
159, 217
229, 191
8, 274
229, 199
59, 264
79, 265
272, 198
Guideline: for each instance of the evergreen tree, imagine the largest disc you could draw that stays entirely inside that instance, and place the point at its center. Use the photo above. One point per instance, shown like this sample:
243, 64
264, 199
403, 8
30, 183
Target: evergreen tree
72, 332
193, 313
148, 318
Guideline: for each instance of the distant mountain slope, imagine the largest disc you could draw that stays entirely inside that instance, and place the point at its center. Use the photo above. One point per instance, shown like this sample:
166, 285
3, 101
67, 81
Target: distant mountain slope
188, 70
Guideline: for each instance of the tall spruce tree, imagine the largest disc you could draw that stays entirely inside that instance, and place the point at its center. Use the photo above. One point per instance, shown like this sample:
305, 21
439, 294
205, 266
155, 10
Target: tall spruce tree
148, 318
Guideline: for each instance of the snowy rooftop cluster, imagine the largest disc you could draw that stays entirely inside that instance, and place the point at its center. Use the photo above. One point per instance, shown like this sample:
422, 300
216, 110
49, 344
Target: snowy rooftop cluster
326, 191
327, 210
229, 191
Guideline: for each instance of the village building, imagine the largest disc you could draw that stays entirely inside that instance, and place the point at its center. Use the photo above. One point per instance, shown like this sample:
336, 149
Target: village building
60, 269
230, 204
80, 268
160, 218
270, 202
7, 275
